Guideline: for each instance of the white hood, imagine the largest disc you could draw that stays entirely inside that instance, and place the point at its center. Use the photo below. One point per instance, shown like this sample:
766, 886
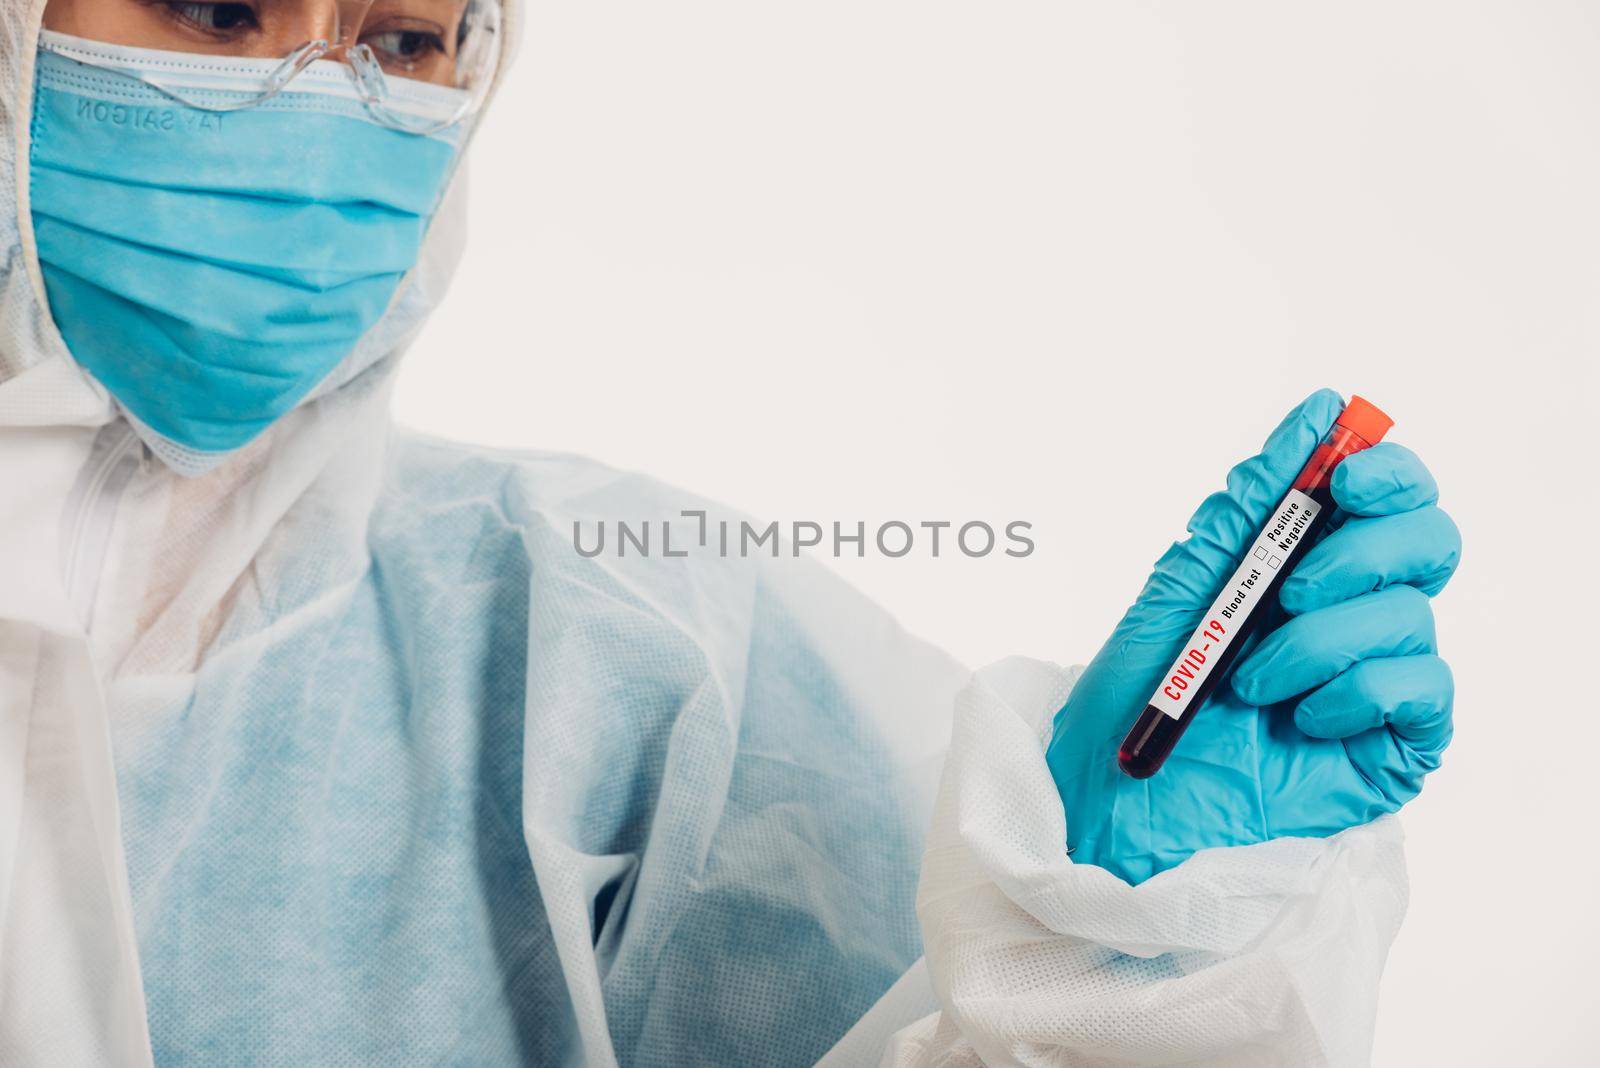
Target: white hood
40, 383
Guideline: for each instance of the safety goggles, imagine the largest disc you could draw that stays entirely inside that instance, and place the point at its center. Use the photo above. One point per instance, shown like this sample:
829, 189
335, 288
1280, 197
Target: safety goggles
418, 66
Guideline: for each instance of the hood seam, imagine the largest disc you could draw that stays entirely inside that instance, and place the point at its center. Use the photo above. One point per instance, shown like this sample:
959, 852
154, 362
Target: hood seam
26, 243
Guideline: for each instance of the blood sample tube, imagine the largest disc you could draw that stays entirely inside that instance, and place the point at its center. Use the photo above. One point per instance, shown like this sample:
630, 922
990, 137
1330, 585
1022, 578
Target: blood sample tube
1291, 529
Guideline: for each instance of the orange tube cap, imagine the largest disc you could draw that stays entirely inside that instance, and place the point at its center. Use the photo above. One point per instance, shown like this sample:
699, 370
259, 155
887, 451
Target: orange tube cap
1364, 419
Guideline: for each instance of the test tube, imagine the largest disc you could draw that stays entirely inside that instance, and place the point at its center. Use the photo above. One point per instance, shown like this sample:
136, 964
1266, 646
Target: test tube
1291, 529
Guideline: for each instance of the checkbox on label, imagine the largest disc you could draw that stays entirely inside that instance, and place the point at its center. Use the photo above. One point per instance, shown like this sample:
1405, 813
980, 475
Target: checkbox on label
1261, 554
1273, 562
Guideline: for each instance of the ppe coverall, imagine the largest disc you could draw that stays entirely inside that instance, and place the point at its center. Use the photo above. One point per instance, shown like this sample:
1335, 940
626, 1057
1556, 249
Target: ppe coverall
340, 754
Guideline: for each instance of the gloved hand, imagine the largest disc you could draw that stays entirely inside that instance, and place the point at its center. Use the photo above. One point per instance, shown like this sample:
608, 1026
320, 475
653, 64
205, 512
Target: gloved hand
1330, 720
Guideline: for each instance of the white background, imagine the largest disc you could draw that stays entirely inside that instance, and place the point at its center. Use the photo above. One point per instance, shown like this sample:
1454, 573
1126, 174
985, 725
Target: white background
1067, 262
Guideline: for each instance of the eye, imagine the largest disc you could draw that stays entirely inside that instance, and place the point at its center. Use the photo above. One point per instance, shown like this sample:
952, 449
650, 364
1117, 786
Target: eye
215, 18
406, 47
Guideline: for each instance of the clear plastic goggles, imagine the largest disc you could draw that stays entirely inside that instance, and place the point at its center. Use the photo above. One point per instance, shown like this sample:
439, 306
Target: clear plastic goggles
395, 53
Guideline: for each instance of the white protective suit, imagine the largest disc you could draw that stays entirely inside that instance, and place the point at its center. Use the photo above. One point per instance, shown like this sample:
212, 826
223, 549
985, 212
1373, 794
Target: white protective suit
340, 754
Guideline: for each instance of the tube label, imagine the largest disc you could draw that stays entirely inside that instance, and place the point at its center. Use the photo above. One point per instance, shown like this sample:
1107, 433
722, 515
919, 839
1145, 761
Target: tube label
1242, 595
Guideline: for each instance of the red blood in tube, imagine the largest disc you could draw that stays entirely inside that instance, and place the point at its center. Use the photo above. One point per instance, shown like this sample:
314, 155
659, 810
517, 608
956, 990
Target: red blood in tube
1242, 603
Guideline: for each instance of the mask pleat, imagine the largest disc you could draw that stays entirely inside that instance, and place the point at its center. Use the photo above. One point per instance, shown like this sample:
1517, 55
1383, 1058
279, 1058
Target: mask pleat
211, 268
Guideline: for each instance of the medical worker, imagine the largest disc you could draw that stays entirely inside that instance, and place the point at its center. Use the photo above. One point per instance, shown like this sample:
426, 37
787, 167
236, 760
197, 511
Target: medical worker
321, 745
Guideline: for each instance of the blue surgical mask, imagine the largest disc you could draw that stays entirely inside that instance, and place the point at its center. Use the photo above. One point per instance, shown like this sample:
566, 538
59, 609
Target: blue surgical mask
211, 268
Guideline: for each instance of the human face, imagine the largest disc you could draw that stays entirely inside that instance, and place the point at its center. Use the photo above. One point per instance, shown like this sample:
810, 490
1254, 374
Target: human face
414, 39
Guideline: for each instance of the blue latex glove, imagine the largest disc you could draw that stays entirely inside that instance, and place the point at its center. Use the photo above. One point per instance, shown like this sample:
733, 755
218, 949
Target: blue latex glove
1329, 721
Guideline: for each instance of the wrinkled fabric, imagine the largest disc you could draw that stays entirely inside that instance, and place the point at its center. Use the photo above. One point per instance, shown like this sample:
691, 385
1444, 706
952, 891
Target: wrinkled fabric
1260, 955
491, 802
295, 219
